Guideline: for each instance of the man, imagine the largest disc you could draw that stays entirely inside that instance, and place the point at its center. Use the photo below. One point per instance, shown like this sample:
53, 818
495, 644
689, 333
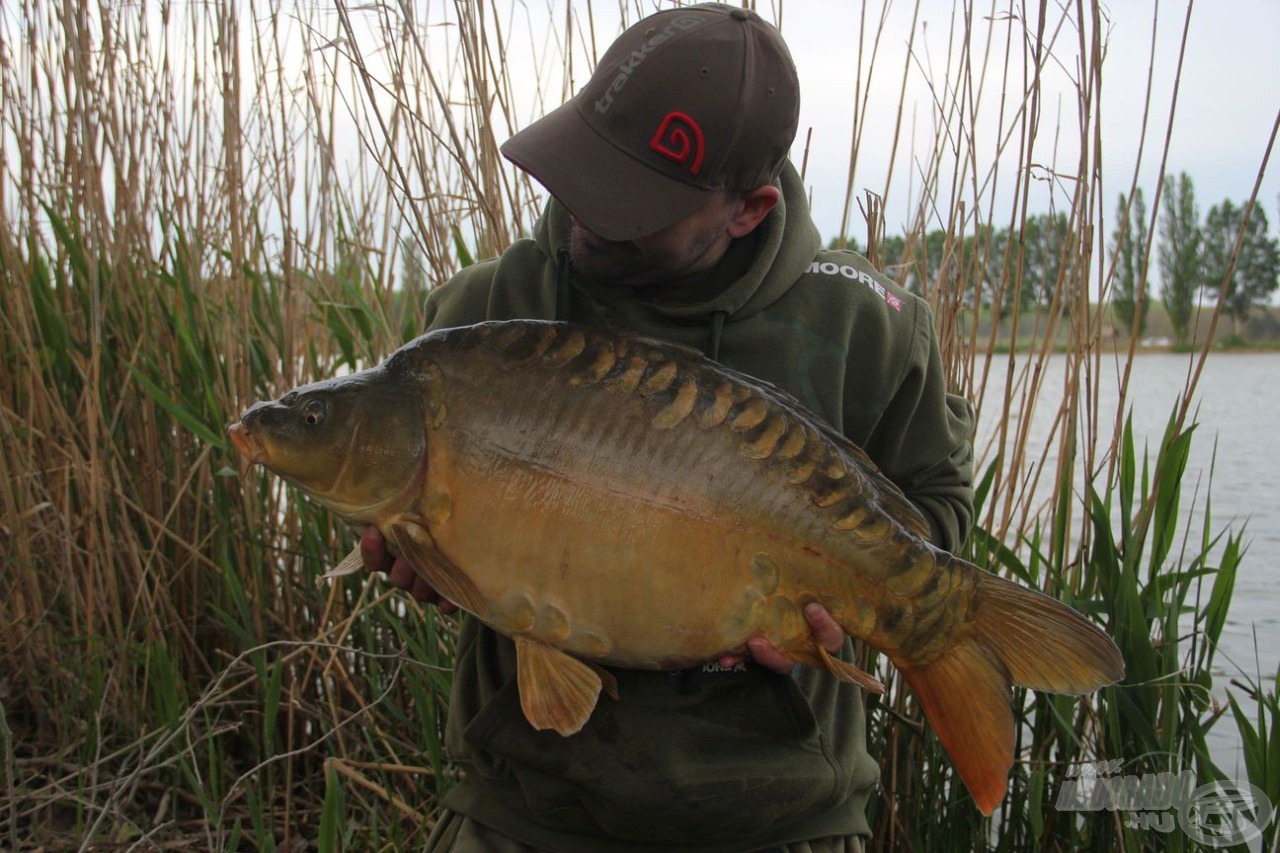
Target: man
676, 214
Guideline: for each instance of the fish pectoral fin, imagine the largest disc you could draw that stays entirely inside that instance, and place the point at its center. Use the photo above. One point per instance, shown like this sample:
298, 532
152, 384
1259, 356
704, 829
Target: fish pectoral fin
557, 691
350, 564
415, 543
849, 673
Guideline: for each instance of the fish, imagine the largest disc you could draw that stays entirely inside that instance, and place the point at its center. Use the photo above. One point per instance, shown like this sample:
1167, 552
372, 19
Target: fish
609, 500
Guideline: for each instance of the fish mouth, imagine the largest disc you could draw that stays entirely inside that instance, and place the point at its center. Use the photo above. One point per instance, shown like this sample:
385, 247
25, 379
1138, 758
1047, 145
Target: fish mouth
248, 445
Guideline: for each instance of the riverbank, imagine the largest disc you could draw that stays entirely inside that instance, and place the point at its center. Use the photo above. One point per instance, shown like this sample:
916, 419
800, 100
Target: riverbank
1261, 333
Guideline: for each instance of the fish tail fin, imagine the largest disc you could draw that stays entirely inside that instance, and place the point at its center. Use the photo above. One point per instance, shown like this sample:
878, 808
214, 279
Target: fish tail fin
965, 695
1014, 635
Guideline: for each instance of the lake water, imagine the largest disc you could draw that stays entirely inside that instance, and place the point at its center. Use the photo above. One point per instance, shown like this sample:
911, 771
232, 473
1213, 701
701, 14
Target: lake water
1238, 399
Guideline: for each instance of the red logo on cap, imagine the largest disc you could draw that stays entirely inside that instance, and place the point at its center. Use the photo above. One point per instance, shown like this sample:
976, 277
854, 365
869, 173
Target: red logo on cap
679, 138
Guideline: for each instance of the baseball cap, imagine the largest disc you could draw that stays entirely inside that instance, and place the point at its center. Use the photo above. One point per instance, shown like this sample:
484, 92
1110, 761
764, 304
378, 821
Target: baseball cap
687, 101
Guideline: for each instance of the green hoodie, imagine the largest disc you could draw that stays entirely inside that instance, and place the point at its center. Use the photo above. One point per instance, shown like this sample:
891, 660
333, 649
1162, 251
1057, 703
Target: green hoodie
706, 759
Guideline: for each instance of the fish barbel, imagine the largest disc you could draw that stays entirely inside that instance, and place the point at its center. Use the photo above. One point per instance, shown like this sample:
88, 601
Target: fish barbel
613, 500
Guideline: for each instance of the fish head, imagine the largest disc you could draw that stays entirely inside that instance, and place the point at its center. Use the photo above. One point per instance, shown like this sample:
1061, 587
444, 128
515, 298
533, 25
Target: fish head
357, 443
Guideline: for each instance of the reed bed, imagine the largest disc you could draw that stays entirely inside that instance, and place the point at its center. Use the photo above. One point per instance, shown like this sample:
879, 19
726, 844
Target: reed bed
189, 225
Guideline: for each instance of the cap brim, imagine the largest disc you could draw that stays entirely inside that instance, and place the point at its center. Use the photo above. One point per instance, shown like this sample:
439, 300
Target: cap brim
611, 193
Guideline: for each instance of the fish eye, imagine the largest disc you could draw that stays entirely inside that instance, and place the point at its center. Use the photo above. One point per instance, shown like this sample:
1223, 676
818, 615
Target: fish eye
313, 412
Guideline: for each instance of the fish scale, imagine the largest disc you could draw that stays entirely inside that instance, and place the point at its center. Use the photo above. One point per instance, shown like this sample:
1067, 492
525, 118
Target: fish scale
613, 501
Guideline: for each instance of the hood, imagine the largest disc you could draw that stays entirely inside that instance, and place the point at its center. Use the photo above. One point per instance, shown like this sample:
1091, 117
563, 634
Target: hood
775, 268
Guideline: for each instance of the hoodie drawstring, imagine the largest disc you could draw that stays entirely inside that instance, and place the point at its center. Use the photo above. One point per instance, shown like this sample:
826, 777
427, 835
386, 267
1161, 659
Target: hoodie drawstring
562, 286
717, 329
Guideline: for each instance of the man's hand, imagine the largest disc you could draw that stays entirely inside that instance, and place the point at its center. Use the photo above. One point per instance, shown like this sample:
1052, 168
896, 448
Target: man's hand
373, 548
825, 630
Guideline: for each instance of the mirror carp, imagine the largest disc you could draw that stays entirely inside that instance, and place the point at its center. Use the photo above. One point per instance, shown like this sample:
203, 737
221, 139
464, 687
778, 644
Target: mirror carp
611, 500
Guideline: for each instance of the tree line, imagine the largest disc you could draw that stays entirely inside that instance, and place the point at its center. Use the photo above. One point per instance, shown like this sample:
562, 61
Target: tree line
1221, 257
1022, 269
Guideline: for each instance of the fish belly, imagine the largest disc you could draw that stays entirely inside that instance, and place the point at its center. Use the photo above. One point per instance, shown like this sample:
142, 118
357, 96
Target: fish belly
613, 574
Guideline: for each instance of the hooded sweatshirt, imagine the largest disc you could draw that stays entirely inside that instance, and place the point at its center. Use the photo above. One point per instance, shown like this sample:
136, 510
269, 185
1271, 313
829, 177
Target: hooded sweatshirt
706, 759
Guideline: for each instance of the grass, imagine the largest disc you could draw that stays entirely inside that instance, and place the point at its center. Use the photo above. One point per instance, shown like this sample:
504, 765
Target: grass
188, 240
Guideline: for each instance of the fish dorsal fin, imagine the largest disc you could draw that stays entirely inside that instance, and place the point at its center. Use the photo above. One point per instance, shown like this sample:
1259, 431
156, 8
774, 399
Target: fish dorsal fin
670, 349
888, 494
525, 341
557, 691
415, 543
895, 503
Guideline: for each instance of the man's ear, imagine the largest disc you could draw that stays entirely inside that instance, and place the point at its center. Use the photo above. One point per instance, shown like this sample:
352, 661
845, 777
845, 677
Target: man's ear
753, 207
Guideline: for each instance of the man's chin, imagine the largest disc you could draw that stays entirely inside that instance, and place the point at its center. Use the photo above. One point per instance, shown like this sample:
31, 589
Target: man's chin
609, 265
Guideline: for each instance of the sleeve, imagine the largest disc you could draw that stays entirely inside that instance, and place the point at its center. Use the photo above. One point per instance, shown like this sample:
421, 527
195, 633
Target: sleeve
462, 300
924, 441
518, 284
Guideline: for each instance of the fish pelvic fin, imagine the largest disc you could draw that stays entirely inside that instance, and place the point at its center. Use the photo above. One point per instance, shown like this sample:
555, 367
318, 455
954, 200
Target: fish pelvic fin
1014, 635
557, 691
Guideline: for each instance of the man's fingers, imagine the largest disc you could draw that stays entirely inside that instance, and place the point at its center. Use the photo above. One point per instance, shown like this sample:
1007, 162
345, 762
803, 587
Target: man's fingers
826, 631
422, 591
444, 605
373, 550
763, 652
401, 574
